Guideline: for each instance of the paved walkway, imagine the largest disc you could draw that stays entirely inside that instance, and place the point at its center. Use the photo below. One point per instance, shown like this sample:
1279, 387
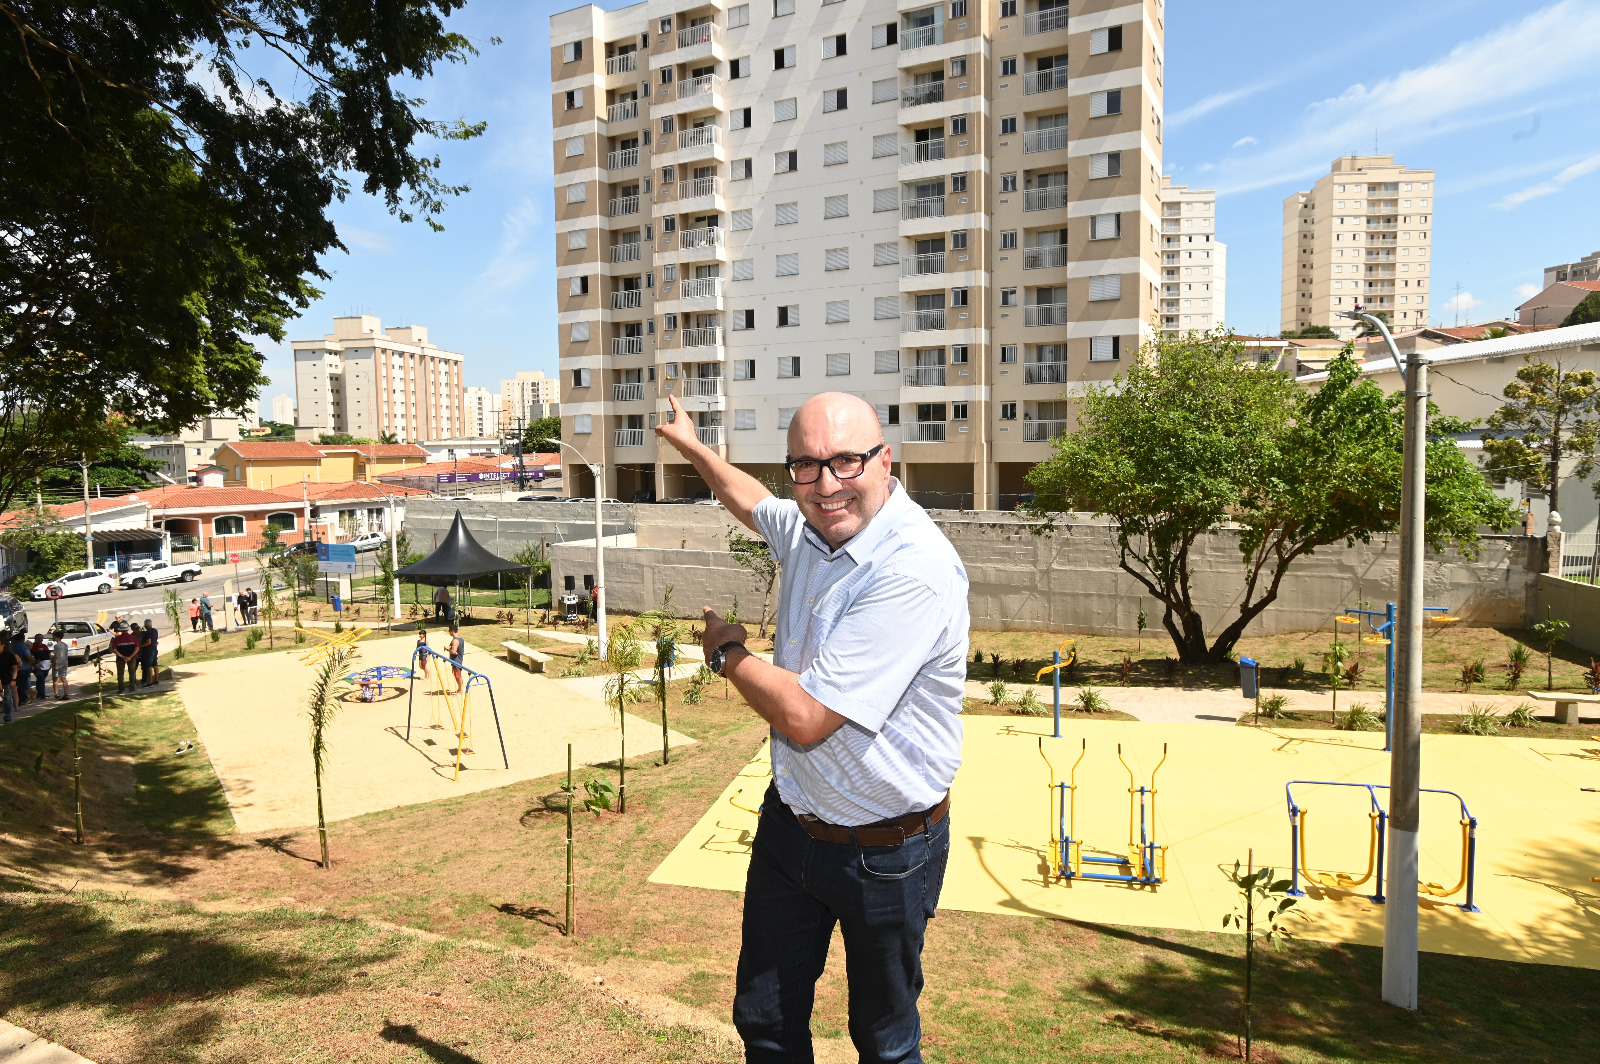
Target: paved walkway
23, 1047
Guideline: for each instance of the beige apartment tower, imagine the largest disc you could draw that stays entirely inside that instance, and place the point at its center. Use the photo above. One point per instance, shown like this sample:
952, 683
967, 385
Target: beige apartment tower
365, 380
1363, 234
526, 397
951, 210
1194, 265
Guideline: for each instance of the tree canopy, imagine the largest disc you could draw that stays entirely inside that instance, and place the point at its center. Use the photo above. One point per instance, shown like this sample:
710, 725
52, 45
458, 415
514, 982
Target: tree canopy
1310, 332
162, 202
1587, 310
1195, 434
1552, 416
538, 431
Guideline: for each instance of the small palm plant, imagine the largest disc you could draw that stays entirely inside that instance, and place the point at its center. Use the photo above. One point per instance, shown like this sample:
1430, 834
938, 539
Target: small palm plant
1029, 704
1520, 716
1550, 632
1090, 700
1471, 673
997, 692
1515, 665
269, 600
623, 655
1265, 903
1359, 717
327, 689
1275, 706
173, 603
665, 631
1479, 720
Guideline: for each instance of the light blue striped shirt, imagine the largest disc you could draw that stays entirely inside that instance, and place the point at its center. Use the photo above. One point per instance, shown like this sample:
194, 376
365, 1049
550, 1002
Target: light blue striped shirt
877, 631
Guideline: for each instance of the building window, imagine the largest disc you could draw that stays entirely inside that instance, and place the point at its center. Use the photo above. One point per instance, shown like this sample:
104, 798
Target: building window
1105, 226
1105, 164
572, 52
958, 297
1008, 297
1008, 125
1008, 239
739, 118
1105, 348
744, 419
669, 322
574, 146
958, 354
958, 125
958, 239
788, 366
744, 319
739, 68
1008, 411
838, 365
574, 99
744, 369
958, 182
833, 47
743, 169
958, 411
886, 361
582, 424
283, 520
784, 110
836, 311
738, 16
787, 213
836, 154
958, 8
958, 67
667, 125
788, 265
835, 99
788, 318
885, 35
783, 58
231, 525
1008, 8
785, 162
836, 206
1105, 39
1008, 66
782, 7
580, 378
1008, 182
1107, 102
1008, 353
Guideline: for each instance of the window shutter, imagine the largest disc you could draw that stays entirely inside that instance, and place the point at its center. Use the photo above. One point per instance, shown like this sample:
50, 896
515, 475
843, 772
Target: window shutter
835, 99
783, 110
836, 154
577, 193
577, 98
1104, 348
785, 415
744, 419
574, 146
886, 307
885, 362
1105, 226
886, 90
1105, 286
830, 47
782, 7
886, 254
836, 259
741, 219
744, 369
788, 213
580, 332
577, 238
738, 16
577, 286
885, 145
838, 365
583, 424
883, 412
739, 118
835, 312
1108, 102
744, 269
836, 207
789, 264
1098, 165
886, 199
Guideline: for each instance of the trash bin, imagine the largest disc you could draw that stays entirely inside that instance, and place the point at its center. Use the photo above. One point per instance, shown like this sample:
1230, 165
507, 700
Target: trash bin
1250, 677
338, 604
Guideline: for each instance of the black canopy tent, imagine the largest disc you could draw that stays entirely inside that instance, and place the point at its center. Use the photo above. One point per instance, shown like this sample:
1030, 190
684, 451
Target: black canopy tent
459, 557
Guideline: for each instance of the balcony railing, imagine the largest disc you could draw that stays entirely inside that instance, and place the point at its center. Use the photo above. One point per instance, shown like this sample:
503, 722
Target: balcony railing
626, 252
928, 92
1046, 314
927, 431
622, 64
700, 137
1044, 199
925, 377
627, 393
711, 435
622, 159
626, 111
704, 237
702, 387
926, 207
627, 299
923, 151
918, 265
1042, 431
624, 205
702, 34
921, 37
1044, 139
1044, 256
700, 288
1036, 81
703, 85
1051, 18
1045, 373
629, 438
699, 186
627, 345
710, 336
921, 320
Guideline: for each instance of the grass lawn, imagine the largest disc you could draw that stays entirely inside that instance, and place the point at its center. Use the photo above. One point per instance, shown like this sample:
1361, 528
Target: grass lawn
1432, 724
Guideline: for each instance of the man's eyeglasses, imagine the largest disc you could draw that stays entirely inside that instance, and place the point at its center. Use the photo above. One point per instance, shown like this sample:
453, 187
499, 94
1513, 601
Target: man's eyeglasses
842, 466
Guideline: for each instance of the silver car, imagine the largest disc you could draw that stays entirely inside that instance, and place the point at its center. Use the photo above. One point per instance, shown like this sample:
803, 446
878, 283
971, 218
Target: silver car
84, 639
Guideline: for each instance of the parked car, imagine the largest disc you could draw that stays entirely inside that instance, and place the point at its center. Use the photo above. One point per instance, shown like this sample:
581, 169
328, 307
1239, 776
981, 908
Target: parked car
644, 495
305, 547
13, 616
706, 498
368, 541
674, 502
80, 582
146, 573
85, 639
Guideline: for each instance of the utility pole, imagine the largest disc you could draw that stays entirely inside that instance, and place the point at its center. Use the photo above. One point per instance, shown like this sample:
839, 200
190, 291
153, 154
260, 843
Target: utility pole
88, 528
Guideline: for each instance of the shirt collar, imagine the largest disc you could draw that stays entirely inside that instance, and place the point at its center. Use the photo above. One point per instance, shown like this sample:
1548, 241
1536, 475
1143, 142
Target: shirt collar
861, 546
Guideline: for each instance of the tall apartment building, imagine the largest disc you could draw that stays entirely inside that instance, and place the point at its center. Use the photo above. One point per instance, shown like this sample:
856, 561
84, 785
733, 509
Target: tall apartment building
951, 210
483, 413
1194, 264
365, 380
1361, 235
283, 409
1585, 269
526, 396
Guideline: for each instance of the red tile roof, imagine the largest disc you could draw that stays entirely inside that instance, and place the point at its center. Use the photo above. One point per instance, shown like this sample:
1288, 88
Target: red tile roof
272, 449
461, 465
185, 495
377, 450
74, 510
1587, 286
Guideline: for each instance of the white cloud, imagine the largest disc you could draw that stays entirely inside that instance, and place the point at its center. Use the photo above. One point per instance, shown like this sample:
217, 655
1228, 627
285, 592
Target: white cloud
1472, 86
365, 238
1463, 303
1526, 292
1214, 102
1244, 141
515, 259
1545, 188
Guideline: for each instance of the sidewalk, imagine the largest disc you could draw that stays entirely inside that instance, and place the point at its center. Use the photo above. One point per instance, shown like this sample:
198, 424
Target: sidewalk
23, 1047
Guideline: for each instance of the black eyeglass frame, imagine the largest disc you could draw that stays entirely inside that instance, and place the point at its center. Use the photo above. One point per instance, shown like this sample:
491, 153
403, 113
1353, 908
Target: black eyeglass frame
864, 456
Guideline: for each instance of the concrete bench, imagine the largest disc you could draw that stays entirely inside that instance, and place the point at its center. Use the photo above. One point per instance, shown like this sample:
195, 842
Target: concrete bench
525, 655
1566, 703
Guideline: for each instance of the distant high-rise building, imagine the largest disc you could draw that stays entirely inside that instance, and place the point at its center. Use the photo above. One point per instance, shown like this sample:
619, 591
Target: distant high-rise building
483, 413
1585, 269
1362, 235
365, 380
1194, 265
283, 409
526, 396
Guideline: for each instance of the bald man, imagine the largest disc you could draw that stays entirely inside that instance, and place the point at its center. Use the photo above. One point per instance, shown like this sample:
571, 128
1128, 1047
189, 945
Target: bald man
863, 697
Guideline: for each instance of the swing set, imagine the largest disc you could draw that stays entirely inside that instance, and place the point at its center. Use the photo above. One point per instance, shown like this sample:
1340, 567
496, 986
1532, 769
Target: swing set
1378, 839
1146, 861
457, 703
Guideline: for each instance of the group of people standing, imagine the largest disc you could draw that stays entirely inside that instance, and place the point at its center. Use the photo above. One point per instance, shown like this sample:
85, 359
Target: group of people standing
246, 602
41, 660
136, 650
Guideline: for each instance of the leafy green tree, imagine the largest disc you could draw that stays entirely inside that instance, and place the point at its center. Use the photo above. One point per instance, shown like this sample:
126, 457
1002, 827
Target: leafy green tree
1310, 332
754, 555
53, 549
1587, 310
623, 655
1366, 328
277, 430
322, 705
1194, 435
665, 632
120, 465
336, 439
1552, 416
540, 430
162, 202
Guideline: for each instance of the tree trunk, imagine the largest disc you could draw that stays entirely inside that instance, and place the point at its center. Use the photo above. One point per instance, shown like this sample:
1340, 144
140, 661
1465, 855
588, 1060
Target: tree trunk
766, 604
1555, 466
322, 824
622, 757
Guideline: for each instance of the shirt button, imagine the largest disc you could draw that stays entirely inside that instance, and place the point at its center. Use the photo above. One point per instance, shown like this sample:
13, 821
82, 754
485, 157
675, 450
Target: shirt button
791, 642
811, 602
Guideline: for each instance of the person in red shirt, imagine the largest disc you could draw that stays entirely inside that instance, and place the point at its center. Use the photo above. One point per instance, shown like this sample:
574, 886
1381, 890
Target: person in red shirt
125, 648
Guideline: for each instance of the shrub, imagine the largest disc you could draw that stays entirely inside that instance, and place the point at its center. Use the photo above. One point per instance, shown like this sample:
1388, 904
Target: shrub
1127, 669
1299, 665
1352, 673
1516, 664
994, 664
216, 636
977, 656
1471, 673
1019, 668
1090, 700
1029, 704
1275, 707
1480, 720
1172, 668
251, 638
1359, 717
997, 692
1520, 716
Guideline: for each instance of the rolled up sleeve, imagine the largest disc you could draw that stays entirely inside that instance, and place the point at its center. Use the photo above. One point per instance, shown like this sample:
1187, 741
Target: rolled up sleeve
873, 654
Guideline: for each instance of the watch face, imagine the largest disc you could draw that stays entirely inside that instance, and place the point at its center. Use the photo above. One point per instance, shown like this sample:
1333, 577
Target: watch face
718, 656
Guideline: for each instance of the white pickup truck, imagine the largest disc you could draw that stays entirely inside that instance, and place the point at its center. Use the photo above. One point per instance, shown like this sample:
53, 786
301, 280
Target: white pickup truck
145, 573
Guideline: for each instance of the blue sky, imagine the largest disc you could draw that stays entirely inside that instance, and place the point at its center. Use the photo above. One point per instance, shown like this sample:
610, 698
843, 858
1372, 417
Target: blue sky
1499, 99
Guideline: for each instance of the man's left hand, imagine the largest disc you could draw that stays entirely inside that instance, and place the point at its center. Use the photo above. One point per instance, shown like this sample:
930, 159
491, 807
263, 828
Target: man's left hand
719, 631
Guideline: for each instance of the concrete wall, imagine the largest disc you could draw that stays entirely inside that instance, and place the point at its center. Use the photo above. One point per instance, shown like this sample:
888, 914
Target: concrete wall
519, 524
1577, 604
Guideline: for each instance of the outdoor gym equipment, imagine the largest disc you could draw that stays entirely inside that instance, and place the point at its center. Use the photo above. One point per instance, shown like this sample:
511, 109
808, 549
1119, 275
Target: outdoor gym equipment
459, 704
328, 643
1056, 668
1379, 817
1146, 861
1383, 635
377, 676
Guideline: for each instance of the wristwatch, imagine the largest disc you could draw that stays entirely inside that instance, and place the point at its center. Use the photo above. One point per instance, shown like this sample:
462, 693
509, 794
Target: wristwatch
719, 656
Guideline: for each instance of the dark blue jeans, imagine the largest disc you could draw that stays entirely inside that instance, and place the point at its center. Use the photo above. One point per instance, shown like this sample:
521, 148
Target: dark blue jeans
882, 898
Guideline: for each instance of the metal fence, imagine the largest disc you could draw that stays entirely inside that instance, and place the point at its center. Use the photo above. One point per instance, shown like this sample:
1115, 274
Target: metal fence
1580, 558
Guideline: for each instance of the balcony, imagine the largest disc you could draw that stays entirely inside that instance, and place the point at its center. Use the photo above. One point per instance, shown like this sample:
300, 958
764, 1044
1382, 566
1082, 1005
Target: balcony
926, 207
1044, 199
702, 387
923, 151
921, 320
1371, 225
628, 299
700, 288
622, 64
1037, 81
1044, 256
627, 393
711, 435
1046, 314
701, 139
710, 336
627, 345
621, 160
917, 95
1042, 431
925, 377
1051, 139
703, 34
1051, 18
626, 252
704, 85
624, 205
628, 438
626, 111
921, 37
926, 432
699, 186
1045, 373
921, 265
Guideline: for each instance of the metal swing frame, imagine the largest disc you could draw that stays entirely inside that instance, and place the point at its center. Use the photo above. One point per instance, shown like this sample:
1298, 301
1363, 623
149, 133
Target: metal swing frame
474, 676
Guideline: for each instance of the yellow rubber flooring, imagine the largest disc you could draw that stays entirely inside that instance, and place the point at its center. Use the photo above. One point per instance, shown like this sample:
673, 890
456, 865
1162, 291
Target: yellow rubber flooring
1220, 795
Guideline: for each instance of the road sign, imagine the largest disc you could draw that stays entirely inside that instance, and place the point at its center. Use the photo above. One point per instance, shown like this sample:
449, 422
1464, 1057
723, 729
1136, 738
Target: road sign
233, 558
54, 591
336, 558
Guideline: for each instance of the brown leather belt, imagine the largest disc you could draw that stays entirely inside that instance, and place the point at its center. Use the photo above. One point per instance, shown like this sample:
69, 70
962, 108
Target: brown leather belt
883, 833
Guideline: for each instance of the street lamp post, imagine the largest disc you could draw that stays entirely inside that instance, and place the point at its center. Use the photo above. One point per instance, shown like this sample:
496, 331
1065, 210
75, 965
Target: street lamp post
1405, 760
597, 470
394, 558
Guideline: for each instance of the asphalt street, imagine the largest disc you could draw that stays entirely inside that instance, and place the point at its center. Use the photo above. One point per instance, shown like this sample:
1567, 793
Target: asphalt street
139, 603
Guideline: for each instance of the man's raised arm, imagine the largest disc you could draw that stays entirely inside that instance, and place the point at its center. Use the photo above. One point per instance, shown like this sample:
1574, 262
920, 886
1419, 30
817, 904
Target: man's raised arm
738, 491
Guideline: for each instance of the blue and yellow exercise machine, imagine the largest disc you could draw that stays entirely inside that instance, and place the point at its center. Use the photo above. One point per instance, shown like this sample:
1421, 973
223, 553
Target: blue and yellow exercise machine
1146, 861
1379, 837
1072, 657
1383, 635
